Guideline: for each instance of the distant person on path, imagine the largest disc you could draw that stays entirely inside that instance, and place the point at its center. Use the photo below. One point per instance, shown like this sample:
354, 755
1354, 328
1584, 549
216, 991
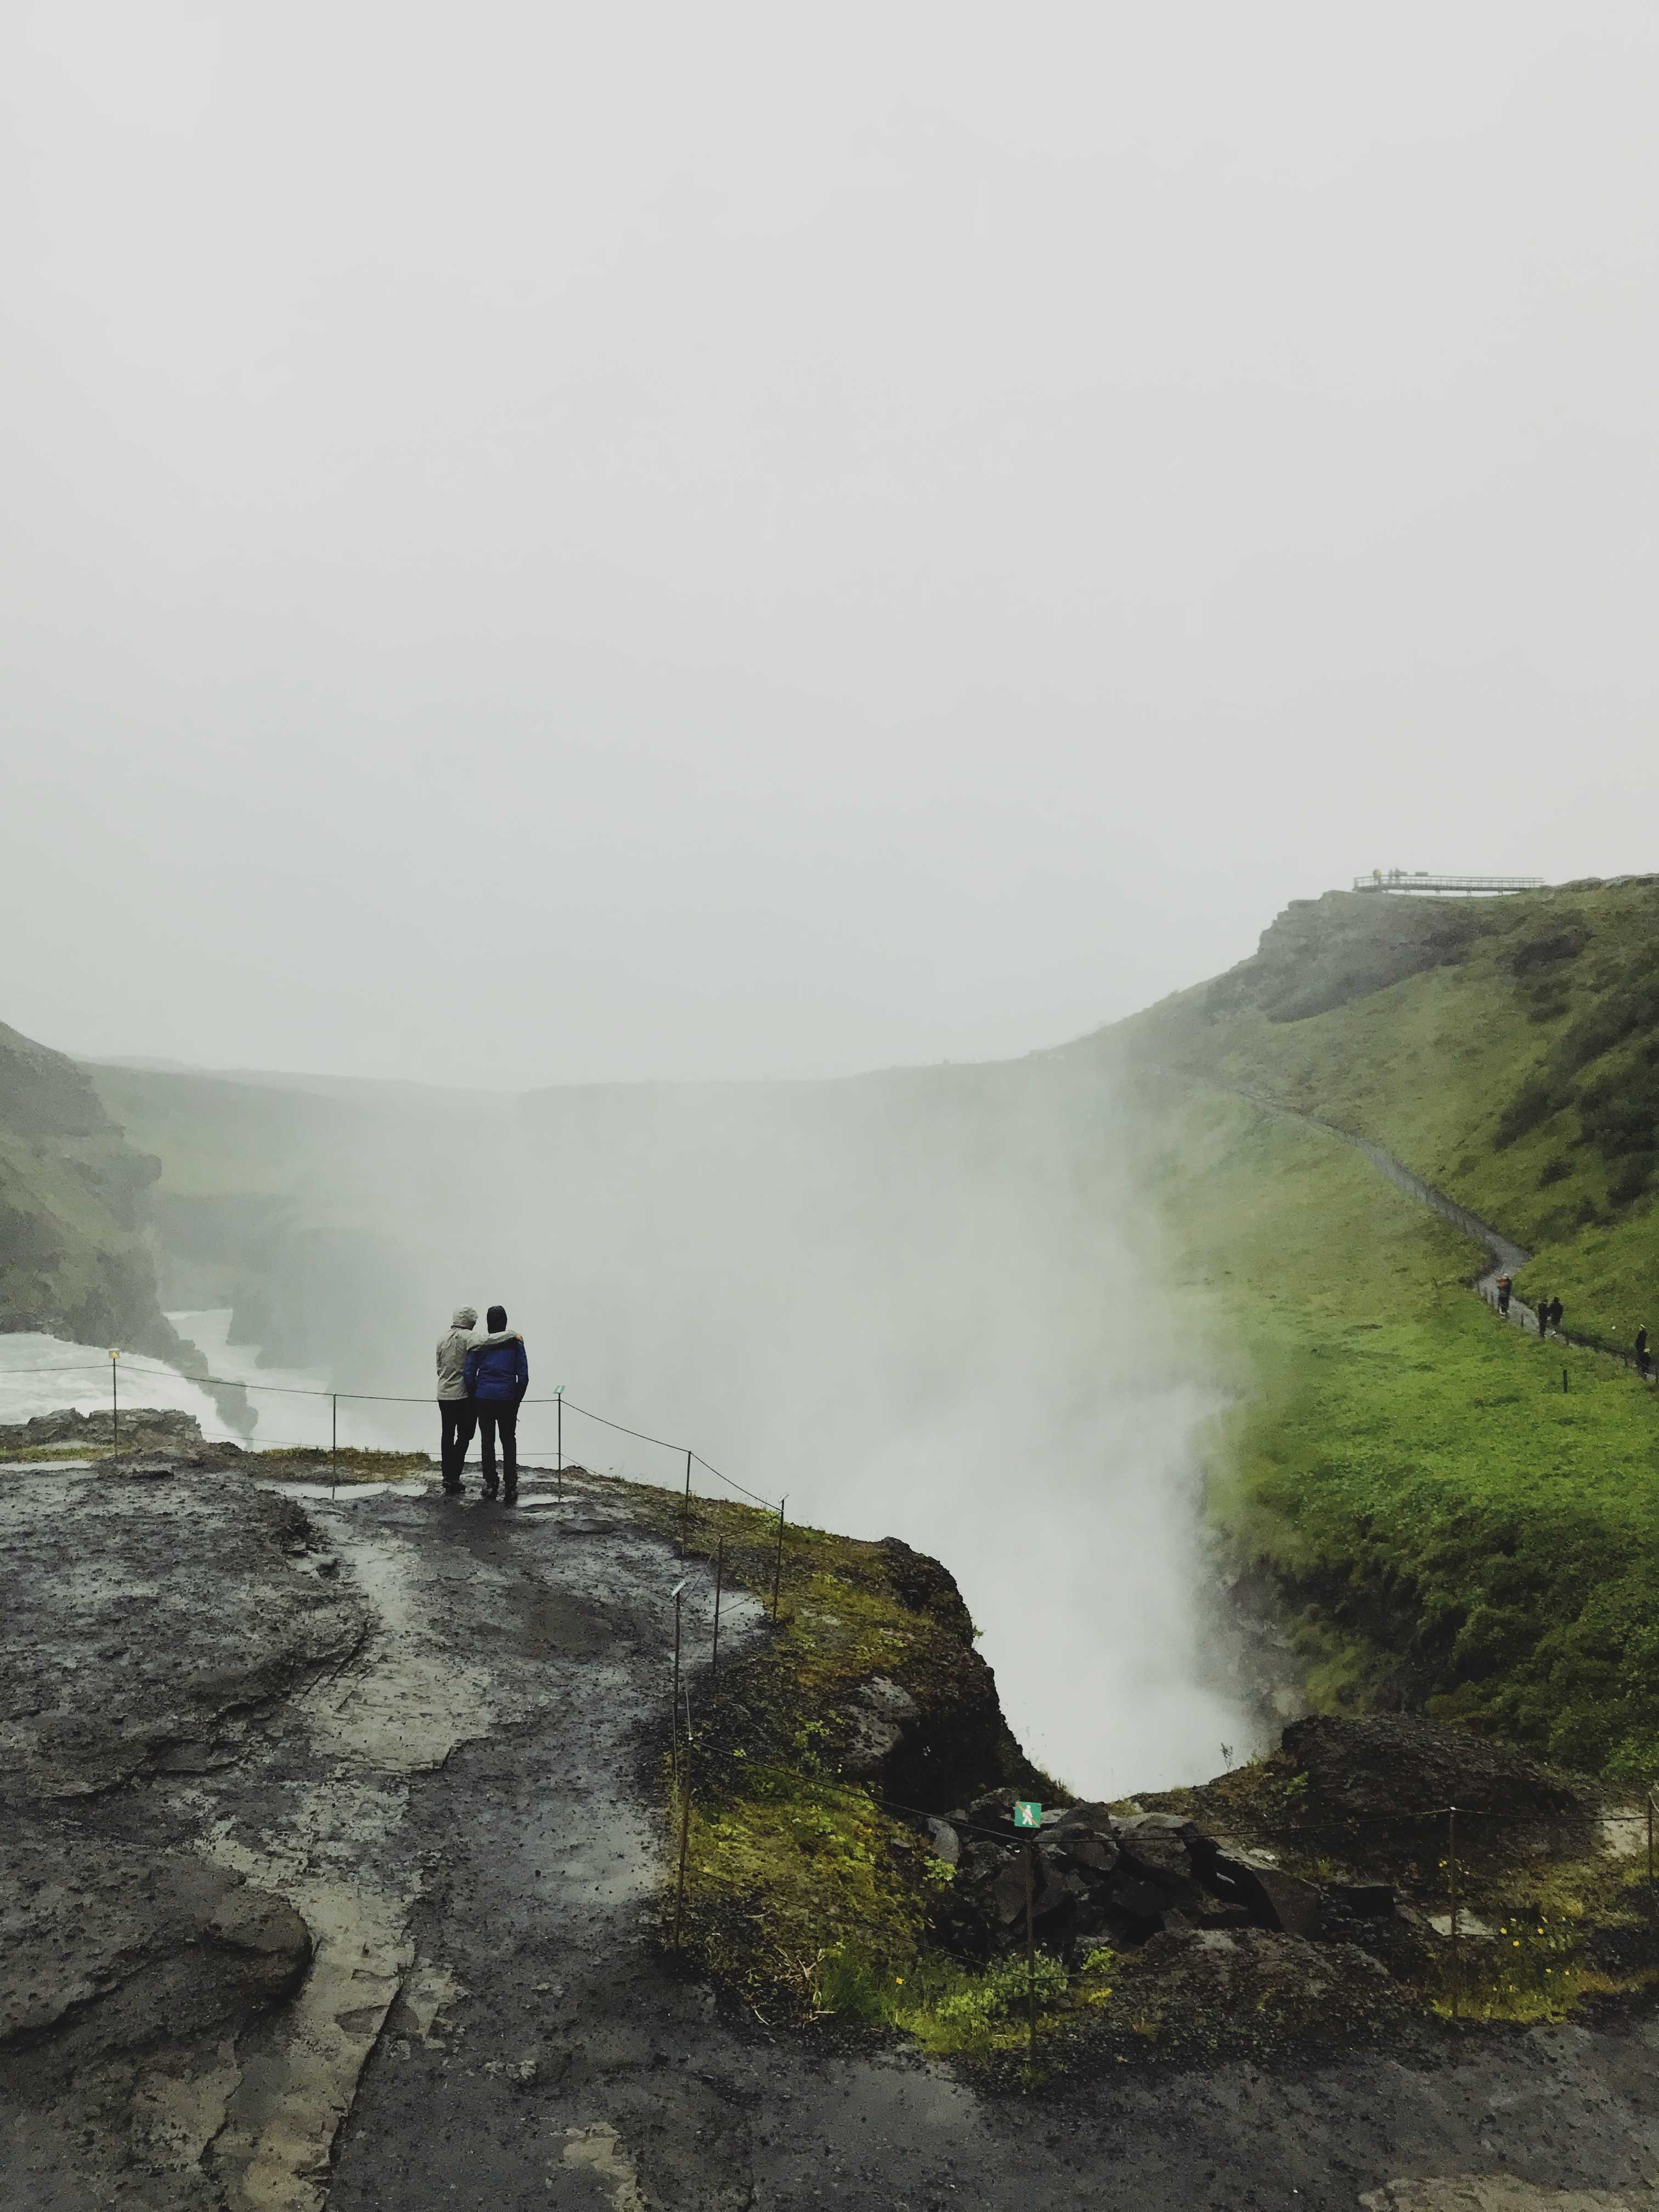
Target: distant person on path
1644, 1356
1504, 1286
497, 1376
457, 1416
1555, 1313
1544, 1316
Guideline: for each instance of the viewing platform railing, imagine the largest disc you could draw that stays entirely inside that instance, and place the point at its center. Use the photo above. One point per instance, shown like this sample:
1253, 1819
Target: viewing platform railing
1402, 879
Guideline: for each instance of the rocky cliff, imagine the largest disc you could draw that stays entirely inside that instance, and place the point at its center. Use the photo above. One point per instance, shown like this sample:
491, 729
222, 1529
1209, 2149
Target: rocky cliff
74, 1255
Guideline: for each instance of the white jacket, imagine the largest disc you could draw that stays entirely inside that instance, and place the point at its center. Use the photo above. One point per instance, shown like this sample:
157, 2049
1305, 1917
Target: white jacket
453, 1350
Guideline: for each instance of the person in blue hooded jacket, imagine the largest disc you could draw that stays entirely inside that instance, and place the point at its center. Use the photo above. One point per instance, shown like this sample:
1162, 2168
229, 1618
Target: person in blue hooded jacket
497, 1376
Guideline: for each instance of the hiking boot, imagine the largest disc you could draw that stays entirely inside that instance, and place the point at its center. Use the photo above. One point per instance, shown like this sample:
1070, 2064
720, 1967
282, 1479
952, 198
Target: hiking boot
510, 1498
488, 1495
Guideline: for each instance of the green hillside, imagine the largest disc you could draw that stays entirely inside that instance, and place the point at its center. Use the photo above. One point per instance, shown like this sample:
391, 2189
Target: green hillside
1505, 1049
75, 1261
302, 1205
1444, 1524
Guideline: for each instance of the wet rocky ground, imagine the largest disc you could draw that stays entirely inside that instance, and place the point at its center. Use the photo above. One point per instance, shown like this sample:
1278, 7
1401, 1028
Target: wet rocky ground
333, 1867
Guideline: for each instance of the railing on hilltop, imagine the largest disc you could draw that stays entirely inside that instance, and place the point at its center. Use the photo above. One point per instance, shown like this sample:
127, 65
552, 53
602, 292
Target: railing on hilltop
1418, 880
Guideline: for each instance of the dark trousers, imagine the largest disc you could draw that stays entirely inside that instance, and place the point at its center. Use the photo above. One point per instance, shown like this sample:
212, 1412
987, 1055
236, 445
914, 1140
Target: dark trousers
501, 1413
457, 1418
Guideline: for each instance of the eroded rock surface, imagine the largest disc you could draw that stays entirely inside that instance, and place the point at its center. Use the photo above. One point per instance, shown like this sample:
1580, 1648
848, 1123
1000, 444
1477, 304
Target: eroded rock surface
1477, 2193
333, 1864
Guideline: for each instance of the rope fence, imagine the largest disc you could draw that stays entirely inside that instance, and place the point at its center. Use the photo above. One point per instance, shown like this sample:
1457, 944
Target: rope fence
335, 1399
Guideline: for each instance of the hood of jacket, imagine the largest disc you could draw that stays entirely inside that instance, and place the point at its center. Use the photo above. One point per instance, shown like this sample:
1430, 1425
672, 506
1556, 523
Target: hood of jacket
464, 1317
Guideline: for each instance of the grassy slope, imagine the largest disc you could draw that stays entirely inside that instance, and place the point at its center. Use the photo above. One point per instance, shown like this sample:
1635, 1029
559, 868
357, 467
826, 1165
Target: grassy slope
1449, 1527
1432, 1067
73, 1209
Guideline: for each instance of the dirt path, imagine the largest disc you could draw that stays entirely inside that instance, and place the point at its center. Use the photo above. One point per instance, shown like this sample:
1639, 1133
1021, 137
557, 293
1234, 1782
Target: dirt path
1504, 1255
420, 1725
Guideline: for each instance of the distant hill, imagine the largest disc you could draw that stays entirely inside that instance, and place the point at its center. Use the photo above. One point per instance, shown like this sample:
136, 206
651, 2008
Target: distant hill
1446, 1513
74, 1257
1506, 1049
1398, 1479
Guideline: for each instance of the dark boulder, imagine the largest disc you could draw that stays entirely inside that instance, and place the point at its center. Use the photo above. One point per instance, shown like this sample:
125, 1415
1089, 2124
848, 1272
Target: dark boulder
1008, 1892
1099, 1854
1364, 1900
878, 1715
947, 1843
1158, 1845
1278, 1900
1142, 1904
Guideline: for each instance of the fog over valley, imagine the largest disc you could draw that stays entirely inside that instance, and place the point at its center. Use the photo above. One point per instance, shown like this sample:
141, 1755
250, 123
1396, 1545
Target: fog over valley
928, 1304
932, 729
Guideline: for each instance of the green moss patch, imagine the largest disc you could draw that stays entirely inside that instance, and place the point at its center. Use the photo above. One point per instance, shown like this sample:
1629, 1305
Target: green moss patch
349, 1464
809, 1894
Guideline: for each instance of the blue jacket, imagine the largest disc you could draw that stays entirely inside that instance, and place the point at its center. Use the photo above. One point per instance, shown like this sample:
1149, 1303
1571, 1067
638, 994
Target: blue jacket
497, 1371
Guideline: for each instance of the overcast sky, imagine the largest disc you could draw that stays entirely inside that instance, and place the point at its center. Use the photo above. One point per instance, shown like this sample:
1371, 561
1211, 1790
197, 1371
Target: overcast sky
548, 543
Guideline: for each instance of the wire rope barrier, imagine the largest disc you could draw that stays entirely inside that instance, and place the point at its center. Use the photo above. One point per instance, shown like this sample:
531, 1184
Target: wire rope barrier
334, 1399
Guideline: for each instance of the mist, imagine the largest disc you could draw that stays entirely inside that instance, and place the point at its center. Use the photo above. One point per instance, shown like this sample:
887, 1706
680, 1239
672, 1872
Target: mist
630, 565
558, 545
927, 1303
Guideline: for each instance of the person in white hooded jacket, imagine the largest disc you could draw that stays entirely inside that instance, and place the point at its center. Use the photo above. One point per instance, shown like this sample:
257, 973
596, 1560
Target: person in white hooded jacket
457, 1417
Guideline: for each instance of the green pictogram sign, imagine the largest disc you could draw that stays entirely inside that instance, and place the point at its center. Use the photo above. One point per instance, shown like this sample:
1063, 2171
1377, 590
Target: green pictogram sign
1026, 1815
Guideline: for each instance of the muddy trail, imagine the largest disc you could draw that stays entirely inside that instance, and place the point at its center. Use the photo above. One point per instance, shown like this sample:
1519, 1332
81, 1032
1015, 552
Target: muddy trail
334, 1868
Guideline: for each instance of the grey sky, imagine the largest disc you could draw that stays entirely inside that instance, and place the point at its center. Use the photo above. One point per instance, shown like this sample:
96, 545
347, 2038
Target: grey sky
547, 544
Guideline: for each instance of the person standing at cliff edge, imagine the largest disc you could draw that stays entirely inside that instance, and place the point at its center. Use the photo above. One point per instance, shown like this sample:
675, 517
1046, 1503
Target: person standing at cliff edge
457, 1417
497, 1376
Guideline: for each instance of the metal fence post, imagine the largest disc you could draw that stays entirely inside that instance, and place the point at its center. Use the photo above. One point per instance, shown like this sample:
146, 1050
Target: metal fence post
333, 1443
1451, 1865
114, 1406
777, 1569
1030, 1954
685, 1828
720, 1577
674, 1702
558, 1400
